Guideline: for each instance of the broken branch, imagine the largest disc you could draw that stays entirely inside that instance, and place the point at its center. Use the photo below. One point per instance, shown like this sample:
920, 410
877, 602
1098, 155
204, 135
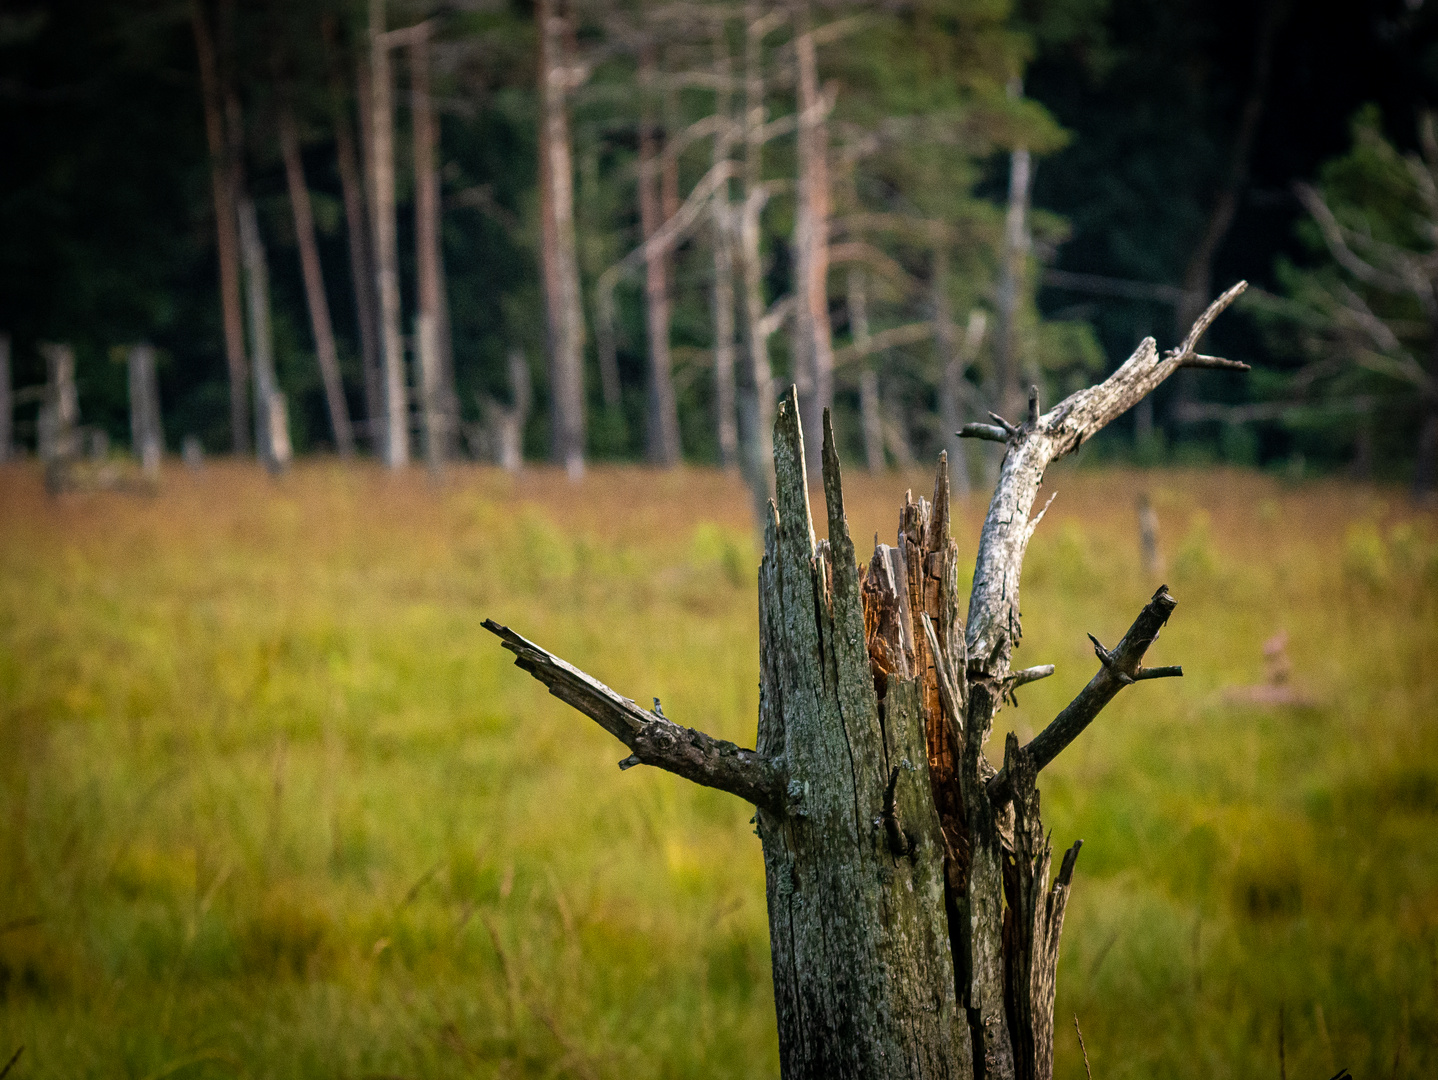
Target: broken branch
1120, 667
653, 739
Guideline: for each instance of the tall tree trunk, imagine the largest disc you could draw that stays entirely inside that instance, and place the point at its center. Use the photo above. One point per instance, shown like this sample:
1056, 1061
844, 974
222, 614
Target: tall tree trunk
870, 418
662, 413
226, 242
913, 926
814, 351
386, 254
362, 269
1013, 266
7, 402
437, 398
272, 436
952, 364
315, 299
722, 297
565, 317
147, 436
755, 389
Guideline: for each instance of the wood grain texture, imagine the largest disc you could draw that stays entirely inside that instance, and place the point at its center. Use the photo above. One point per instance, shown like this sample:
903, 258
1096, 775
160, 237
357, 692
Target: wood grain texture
862, 971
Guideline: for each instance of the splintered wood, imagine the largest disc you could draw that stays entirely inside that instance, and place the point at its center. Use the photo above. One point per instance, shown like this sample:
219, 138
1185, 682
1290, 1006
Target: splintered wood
905, 586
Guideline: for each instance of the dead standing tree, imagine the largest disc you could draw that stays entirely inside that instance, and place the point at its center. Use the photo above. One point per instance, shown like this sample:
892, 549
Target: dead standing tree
913, 925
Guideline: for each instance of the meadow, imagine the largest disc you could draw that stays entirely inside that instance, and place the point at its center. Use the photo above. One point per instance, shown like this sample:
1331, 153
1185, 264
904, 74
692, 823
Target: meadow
272, 804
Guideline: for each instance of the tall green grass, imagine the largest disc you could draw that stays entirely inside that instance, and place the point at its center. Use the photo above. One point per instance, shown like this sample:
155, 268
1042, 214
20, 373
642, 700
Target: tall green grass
273, 805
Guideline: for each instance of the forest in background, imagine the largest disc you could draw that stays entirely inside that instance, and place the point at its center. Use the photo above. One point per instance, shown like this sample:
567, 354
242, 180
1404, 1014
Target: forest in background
911, 210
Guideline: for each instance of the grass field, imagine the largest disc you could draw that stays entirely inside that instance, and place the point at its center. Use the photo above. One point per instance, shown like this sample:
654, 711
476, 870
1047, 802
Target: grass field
273, 805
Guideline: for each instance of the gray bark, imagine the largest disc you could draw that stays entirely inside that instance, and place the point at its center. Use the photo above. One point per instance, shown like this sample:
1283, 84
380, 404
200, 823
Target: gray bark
813, 344
870, 418
315, 299
272, 434
58, 438
437, 395
661, 444
7, 402
147, 436
914, 929
1012, 275
755, 385
386, 255
559, 257
722, 296
362, 268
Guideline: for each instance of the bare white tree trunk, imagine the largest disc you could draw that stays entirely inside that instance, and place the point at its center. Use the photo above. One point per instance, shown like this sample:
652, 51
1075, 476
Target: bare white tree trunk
59, 423
272, 435
722, 298
870, 419
813, 344
952, 364
662, 412
147, 436
386, 255
755, 389
315, 299
438, 399
1012, 267
558, 254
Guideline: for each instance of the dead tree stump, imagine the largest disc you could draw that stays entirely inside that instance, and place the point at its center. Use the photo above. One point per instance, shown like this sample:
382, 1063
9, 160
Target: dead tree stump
913, 925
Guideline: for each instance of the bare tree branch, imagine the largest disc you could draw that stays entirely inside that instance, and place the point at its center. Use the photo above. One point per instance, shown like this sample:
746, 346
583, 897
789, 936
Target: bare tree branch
653, 738
993, 626
1121, 667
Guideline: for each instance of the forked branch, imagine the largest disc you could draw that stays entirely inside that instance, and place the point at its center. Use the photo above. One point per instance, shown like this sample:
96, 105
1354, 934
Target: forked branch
653, 738
1123, 666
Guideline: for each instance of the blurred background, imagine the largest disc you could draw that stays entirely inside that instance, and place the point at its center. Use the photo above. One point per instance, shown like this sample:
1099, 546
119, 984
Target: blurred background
501, 296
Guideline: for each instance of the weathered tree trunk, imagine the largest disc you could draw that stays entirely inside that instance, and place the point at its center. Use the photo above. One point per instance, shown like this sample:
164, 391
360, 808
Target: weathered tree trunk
272, 430
913, 926
558, 256
437, 399
386, 254
226, 240
147, 435
755, 384
722, 295
661, 442
952, 363
362, 270
871, 422
813, 344
315, 300
58, 426
7, 402
1012, 274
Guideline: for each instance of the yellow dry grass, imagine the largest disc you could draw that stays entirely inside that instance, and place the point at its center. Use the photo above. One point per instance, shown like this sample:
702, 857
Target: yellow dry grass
273, 805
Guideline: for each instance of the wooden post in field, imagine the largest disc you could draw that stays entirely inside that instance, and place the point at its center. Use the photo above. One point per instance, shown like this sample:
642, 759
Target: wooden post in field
1152, 558
58, 435
395, 446
913, 925
147, 436
7, 402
